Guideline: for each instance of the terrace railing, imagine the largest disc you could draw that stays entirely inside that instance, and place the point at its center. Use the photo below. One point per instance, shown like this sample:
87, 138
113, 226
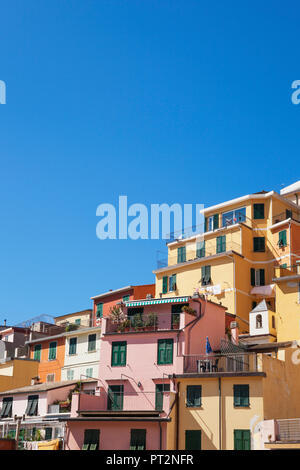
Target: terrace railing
212, 363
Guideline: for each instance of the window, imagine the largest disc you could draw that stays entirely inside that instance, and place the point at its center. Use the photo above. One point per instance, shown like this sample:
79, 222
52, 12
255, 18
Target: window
126, 298
205, 275
52, 351
92, 342
258, 321
37, 352
200, 249
165, 284
118, 356
212, 223
89, 372
99, 310
221, 244
115, 397
181, 254
242, 439
50, 377
6, 410
70, 374
72, 346
193, 440
282, 239
32, 405
259, 244
258, 211
138, 439
165, 351
273, 322
48, 433
241, 395
193, 396
257, 277
78, 321
172, 283
234, 217
91, 439
159, 395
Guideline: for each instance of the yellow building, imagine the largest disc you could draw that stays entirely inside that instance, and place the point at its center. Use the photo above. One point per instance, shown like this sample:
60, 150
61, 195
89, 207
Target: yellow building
222, 409
16, 373
82, 318
234, 258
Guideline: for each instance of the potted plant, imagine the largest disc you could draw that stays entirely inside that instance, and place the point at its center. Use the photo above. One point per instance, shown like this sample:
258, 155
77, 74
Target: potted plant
189, 310
175, 322
117, 316
151, 321
137, 322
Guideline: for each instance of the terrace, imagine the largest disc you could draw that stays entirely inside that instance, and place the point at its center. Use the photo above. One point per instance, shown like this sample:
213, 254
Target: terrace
224, 363
282, 272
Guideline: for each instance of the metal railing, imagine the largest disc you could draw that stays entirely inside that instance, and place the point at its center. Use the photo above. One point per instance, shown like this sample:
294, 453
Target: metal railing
211, 363
288, 429
288, 214
284, 271
146, 322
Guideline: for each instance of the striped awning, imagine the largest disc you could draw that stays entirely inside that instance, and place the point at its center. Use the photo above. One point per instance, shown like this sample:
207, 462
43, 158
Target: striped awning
173, 300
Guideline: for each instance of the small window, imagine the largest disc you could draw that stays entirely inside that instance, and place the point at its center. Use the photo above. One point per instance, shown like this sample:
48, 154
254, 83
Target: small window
257, 277
282, 239
138, 439
259, 321
89, 372
72, 346
78, 321
91, 439
6, 410
200, 249
193, 396
165, 351
37, 352
206, 275
92, 343
48, 434
118, 355
258, 211
115, 397
241, 395
221, 244
99, 311
193, 440
181, 254
126, 298
50, 377
259, 244
242, 439
52, 351
32, 405
70, 374
165, 284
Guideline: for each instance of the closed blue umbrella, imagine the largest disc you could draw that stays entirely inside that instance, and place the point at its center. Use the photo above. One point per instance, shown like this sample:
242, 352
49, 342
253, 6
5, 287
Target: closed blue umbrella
208, 348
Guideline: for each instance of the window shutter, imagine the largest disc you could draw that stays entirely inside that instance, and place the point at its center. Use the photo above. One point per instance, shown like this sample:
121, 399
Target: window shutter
246, 440
283, 238
37, 352
259, 211
193, 440
72, 345
99, 312
206, 224
238, 439
200, 250
262, 277
252, 276
92, 343
165, 284
52, 350
216, 221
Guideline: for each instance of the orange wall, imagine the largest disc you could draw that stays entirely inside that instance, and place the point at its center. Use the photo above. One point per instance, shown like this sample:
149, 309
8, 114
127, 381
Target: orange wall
50, 367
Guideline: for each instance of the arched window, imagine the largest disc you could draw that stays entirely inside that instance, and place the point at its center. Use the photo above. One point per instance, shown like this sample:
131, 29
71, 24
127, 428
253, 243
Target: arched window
258, 321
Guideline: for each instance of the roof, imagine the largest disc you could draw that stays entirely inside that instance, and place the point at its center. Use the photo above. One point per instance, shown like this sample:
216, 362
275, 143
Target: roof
78, 331
111, 292
269, 346
44, 387
261, 307
295, 187
81, 312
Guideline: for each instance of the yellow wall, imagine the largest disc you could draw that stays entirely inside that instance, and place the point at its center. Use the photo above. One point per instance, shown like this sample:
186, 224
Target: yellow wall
21, 372
288, 310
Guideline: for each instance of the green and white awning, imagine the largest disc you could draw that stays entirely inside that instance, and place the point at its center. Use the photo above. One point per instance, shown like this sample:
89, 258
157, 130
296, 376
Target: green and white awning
173, 300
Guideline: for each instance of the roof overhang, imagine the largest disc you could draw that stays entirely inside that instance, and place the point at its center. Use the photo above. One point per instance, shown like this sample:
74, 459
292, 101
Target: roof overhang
171, 300
112, 292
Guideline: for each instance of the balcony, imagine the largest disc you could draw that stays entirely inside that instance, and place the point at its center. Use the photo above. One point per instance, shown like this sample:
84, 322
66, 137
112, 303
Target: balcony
287, 430
147, 322
288, 214
112, 404
200, 253
286, 271
224, 363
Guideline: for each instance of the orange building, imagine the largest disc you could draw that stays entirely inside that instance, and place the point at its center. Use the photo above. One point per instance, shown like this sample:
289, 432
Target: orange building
50, 352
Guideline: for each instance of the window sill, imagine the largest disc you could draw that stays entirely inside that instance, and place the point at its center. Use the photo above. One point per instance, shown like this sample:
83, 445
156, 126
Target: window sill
194, 407
247, 407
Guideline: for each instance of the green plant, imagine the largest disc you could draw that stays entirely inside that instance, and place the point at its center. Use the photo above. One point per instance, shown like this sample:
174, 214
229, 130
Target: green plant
189, 310
71, 327
137, 321
116, 315
151, 319
125, 324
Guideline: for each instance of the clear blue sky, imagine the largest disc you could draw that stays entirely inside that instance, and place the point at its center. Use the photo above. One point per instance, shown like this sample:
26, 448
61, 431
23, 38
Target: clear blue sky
162, 101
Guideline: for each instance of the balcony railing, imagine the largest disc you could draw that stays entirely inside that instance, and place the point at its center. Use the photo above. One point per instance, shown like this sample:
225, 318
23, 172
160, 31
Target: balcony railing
288, 214
235, 362
147, 322
288, 429
202, 251
285, 271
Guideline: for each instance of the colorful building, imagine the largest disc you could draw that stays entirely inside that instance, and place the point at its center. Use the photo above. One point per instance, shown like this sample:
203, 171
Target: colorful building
17, 372
132, 405
82, 318
50, 354
233, 260
104, 302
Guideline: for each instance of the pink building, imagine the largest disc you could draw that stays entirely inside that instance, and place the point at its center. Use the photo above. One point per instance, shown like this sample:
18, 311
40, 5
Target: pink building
132, 404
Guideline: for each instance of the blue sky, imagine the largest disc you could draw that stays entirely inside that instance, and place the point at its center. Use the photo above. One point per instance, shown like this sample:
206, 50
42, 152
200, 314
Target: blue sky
162, 101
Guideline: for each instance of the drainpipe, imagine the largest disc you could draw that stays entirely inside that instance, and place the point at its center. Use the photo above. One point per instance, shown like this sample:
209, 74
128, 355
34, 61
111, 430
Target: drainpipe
190, 323
177, 417
220, 414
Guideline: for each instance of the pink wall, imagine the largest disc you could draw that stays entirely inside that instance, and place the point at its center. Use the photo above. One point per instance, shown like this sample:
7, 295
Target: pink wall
114, 435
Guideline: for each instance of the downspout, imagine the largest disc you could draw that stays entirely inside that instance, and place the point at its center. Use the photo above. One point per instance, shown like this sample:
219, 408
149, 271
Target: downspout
190, 323
177, 417
220, 414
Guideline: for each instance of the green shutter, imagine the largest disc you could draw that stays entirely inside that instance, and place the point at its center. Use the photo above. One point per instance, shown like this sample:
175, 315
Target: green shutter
252, 276
262, 277
193, 396
165, 284
216, 221
259, 211
242, 439
282, 238
165, 351
115, 397
72, 346
193, 440
259, 244
206, 224
118, 357
200, 249
92, 342
138, 439
241, 395
181, 254
221, 244
52, 350
91, 439
37, 352
99, 313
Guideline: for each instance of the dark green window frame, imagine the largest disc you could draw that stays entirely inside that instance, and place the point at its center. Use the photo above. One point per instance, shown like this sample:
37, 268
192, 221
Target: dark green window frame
115, 397
261, 277
37, 352
200, 249
221, 244
92, 342
126, 298
242, 439
241, 395
32, 405
193, 439
6, 410
52, 351
259, 244
282, 238
78, 321
99, 310
165, 351
165, 282
181, 254
160, 389
91, 439
205, 275
72, 346
193, 396
137, 439
172, 283
258, 211
118, 353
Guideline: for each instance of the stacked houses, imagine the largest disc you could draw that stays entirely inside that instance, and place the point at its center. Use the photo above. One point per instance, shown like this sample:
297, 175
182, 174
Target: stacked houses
206, 358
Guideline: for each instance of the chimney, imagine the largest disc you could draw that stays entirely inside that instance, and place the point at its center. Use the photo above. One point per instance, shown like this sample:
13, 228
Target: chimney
4, 323
234, 327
